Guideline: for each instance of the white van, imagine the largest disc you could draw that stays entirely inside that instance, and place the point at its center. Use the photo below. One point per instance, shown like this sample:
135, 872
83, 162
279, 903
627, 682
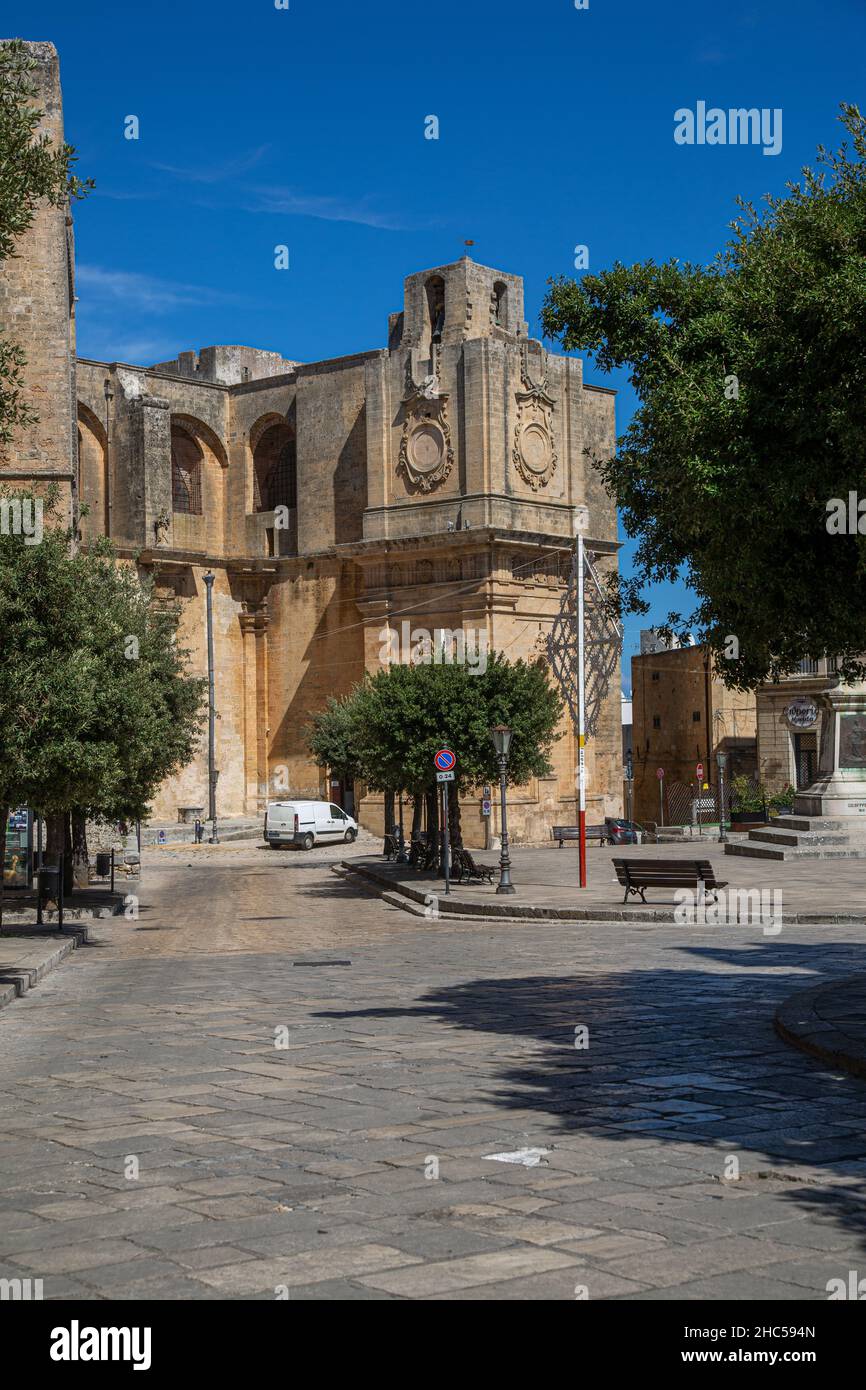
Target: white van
307, 823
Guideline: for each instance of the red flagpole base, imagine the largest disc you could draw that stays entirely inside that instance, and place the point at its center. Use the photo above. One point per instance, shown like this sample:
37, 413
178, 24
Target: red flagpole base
581, 821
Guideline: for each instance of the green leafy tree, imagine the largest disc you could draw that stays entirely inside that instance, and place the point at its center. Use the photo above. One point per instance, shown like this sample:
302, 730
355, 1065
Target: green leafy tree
751, 378
394, 722
97, 705
31, 170
331, 737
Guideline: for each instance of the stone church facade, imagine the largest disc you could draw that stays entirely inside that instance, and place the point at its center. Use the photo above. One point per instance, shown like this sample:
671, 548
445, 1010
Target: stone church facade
435, 481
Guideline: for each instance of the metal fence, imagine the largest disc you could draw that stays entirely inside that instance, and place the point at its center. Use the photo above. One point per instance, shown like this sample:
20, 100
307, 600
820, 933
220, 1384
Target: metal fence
687, 804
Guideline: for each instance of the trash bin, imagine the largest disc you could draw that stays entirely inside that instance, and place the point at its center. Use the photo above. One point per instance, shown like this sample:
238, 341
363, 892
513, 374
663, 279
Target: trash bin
48, 877
103, 864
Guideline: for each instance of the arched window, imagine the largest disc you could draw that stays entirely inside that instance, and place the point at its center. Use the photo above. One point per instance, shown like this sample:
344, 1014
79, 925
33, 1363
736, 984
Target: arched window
275, 469
500, 304
186, 461
436, 307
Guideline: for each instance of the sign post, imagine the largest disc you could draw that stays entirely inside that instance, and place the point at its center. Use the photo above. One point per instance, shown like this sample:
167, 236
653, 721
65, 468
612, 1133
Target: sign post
660, 774
629, 777
445, 762
699, 777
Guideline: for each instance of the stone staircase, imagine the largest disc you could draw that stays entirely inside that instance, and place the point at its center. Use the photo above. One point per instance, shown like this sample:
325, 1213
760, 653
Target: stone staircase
804, 837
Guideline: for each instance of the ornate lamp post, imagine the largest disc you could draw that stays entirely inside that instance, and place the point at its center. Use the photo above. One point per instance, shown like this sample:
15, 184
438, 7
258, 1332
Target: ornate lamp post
722, 759
501, 736
212, 773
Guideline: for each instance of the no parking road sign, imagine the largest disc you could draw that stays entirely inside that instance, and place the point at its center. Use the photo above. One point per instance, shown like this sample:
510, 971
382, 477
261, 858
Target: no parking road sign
445, 760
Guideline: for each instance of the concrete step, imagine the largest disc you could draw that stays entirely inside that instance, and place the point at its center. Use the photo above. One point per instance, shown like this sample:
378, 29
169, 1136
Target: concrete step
797, 839
811, 823
751, 849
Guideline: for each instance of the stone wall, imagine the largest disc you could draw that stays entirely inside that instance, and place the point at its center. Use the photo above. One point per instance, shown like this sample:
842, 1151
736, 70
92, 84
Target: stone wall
36, 312
697, 717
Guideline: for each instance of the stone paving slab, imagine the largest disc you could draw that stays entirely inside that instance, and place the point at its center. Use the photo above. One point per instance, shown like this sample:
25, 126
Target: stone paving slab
354, 1162
547, 886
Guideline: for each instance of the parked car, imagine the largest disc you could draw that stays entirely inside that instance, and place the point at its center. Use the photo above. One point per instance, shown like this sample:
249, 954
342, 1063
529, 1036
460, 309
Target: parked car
622, 832
307, 823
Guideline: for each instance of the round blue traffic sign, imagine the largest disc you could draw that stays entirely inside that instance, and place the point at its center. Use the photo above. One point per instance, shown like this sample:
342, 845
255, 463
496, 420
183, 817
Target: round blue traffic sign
445, 760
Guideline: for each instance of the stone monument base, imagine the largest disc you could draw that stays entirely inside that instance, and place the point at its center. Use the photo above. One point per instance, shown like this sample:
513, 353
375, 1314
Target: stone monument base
839, 790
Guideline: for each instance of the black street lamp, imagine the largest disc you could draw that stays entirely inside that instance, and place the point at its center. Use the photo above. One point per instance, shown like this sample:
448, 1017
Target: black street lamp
722, 759
501, 735
212, 773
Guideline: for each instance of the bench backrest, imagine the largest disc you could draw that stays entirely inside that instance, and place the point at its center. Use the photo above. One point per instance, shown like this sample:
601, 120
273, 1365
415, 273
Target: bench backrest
666, 871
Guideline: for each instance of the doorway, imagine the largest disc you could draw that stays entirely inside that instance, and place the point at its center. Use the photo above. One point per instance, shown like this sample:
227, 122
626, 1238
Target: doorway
805, 759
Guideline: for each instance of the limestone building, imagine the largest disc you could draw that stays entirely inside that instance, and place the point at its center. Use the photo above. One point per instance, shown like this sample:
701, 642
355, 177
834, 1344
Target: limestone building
790, 720
436, 480
684, 715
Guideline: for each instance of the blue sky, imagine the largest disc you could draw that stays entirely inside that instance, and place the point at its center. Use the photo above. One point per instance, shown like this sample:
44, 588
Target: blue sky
305, 127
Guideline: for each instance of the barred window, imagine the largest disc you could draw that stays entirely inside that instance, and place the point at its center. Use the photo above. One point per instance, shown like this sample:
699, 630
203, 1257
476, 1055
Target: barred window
186, 461
275, 469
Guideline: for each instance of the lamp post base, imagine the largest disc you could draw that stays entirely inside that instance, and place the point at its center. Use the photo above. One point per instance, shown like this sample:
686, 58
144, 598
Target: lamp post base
505, 888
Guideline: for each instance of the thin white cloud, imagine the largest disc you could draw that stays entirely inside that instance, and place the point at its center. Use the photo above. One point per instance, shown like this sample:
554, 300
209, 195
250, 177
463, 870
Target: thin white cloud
329, 209
218, 173
144, 292
102, 345
711, 54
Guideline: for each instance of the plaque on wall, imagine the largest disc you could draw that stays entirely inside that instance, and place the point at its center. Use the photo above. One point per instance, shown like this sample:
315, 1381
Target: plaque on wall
802, 713
852, 740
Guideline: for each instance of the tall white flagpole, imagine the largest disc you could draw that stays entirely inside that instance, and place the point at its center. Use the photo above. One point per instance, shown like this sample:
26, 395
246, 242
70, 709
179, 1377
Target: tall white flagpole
581, 716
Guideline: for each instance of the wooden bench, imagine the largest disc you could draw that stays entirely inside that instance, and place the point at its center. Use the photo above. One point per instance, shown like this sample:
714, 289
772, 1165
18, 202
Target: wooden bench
572, 832
636, 875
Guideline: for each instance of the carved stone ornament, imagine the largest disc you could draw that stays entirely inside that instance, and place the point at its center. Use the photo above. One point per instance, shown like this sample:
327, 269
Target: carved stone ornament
426, 455
534, 451
162, 527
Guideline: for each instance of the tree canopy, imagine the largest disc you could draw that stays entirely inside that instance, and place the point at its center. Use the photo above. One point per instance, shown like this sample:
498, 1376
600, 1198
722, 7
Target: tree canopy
751, 378
97, 705
387, 731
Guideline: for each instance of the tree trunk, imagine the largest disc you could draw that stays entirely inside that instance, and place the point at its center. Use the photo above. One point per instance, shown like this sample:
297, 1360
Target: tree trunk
59, 842
417, 815
4, 816
80, 858
431, 796
68, 882
388, 810
455, 829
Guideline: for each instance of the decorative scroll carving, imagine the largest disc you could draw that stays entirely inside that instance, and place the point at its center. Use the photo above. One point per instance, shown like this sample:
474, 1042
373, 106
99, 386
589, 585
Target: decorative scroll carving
534, 450
426, 455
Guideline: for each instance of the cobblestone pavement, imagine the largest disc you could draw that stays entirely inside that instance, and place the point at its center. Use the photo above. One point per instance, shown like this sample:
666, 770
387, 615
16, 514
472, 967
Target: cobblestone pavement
157, 1140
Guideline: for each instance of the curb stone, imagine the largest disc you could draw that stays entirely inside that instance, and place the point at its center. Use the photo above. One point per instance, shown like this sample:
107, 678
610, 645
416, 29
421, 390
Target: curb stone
404, 895
800, 1021
17, 980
